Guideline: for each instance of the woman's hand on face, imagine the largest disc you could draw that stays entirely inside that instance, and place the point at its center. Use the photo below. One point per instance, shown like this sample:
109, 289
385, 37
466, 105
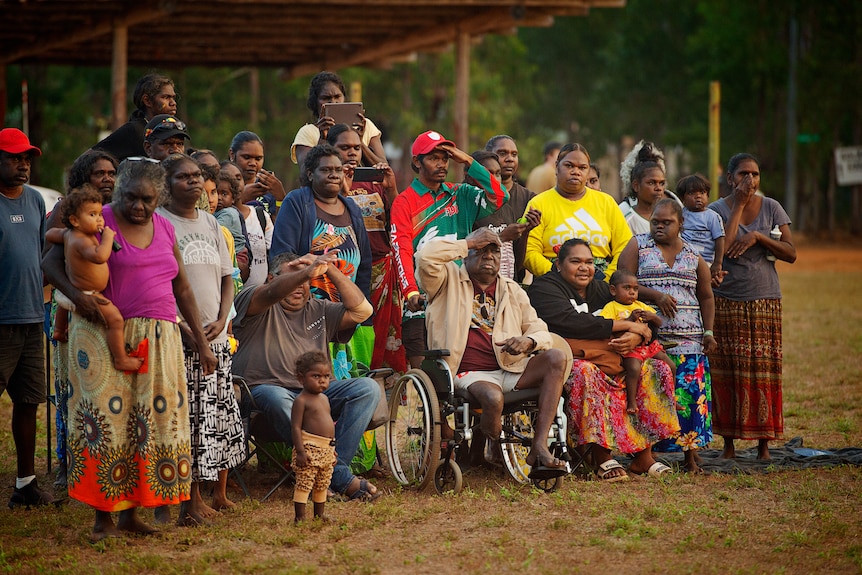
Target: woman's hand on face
709, 344
745, 190
627, 342
667, 304
741, 245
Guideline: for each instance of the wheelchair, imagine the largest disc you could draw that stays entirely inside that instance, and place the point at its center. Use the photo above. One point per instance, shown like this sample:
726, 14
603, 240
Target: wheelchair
423, 398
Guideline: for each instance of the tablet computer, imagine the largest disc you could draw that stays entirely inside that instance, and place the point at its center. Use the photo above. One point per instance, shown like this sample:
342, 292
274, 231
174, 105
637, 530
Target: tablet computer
344, 112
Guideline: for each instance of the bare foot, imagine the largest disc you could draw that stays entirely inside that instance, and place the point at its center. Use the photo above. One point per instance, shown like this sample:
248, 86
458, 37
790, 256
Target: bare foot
632, 409
126, 363
189, 518
103, 527
205, 510
222, 503
763, 449
60, 336
162, 514
131, 523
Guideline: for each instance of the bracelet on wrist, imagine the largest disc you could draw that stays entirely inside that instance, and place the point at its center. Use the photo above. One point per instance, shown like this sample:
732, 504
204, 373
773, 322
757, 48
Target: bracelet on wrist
707, 332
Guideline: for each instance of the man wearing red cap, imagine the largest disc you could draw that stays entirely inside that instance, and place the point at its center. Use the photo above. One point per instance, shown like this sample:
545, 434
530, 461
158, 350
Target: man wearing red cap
433, 208
22, 370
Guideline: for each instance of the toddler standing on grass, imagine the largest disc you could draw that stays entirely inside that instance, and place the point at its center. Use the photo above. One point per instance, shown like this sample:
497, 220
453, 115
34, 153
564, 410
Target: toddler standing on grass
624, 288
703, 228
87, 267
313, 433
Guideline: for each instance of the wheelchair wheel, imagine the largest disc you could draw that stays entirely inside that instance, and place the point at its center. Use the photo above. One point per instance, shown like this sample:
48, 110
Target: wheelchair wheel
548, 485
447, 477
413, 430
518, 431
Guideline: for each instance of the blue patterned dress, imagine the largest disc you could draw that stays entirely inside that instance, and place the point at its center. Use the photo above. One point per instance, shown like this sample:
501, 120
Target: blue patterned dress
693, 382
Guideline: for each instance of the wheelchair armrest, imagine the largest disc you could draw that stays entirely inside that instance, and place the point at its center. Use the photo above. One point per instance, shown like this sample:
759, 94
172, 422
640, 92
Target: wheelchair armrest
245, 392
382, 372
435, 353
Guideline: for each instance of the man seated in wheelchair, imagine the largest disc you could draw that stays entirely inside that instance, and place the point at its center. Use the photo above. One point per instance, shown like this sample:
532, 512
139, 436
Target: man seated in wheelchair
279, 321
496, 341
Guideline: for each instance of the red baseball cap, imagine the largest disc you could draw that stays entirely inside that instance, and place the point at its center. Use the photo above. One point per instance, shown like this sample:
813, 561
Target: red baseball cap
14, 141
427, 141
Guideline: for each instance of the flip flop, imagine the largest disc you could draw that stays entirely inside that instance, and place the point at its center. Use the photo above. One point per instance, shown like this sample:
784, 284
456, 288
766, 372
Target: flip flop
657, 469
362, 494
604, 470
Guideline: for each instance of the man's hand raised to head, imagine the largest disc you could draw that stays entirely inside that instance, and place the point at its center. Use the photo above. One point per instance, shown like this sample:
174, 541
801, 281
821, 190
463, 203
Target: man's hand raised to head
315, 265
480, 238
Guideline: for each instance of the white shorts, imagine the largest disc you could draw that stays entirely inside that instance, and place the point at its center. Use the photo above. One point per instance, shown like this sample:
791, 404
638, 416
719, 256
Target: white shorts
505, 380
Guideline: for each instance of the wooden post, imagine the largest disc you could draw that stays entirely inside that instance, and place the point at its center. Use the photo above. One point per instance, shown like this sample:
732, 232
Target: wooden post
254, 89
462, 97
3, 95
119, 70
714, 137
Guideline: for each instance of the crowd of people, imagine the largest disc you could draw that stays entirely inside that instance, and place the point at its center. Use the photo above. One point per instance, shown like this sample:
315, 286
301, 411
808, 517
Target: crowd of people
174, 272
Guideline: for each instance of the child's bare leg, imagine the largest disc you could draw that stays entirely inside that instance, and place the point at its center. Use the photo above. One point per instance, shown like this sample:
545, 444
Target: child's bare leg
61, 325
632, 366
117, 342
220, 500
298, 511
763, 449
663, 356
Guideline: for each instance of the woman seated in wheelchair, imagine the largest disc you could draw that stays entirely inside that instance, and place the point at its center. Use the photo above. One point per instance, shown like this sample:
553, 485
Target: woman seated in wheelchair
492, 333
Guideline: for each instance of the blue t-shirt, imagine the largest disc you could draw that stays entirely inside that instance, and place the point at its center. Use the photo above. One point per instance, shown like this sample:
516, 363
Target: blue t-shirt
701, 229
22, 235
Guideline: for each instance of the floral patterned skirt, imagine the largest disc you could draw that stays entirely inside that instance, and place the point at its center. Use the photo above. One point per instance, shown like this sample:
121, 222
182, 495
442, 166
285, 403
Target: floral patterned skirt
694, 404
128, 435
386, 299
596, 407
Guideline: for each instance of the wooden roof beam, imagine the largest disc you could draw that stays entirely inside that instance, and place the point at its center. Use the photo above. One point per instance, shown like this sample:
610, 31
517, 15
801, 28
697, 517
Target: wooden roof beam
101, 28
421, 40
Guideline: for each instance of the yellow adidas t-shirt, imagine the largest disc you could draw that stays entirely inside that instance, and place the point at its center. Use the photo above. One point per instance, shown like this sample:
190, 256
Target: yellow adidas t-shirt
595, 218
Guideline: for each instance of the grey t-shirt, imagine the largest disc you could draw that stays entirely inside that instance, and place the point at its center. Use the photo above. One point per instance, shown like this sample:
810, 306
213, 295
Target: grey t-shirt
206, 260
22, 232
271, 341
751, 276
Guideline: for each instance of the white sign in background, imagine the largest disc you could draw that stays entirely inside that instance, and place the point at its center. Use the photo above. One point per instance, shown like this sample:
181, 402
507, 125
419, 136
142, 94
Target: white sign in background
848, 165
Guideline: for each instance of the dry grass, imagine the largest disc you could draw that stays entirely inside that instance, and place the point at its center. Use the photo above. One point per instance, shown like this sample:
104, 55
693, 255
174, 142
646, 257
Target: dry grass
788, 522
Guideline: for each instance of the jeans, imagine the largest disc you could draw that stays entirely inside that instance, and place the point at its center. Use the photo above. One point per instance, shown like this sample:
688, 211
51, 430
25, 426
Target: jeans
352, 402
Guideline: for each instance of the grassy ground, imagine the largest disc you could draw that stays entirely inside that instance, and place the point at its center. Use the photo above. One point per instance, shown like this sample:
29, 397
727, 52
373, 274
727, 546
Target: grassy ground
788, 522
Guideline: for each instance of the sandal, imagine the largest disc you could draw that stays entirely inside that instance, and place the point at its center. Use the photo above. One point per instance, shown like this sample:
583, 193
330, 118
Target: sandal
548, 469
363, 494
605, 471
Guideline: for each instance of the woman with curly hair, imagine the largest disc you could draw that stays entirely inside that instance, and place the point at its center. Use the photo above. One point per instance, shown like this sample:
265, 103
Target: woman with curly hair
644, 181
